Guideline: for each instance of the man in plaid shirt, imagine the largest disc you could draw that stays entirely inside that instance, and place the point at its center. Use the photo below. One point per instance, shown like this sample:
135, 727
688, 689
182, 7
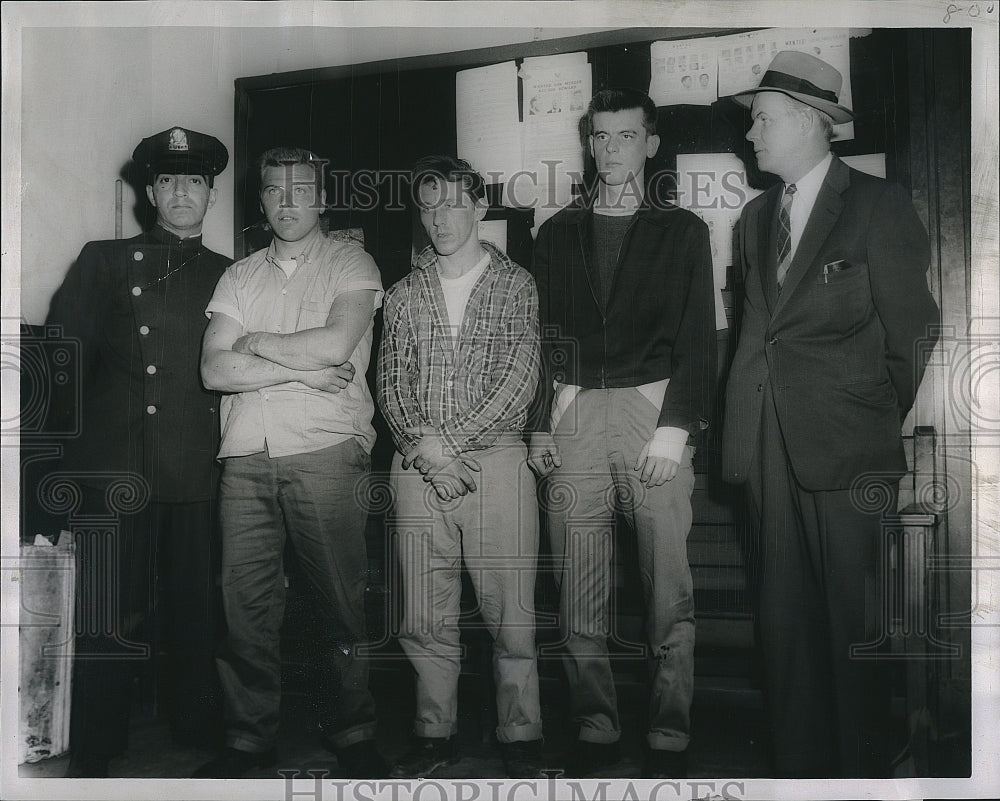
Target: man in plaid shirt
458, 368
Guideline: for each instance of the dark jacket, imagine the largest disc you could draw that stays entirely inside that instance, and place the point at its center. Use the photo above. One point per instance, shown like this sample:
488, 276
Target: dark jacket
660, 318
141, 405
844, 345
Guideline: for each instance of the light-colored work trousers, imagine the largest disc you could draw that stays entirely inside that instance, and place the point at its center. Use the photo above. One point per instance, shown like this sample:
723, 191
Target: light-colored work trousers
495, 531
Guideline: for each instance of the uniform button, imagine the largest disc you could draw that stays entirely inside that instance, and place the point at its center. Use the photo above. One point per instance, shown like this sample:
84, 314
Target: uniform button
137, 290
760, 387
284, 291
144, 330
150, 409
773, 340
267, 397
137, 255
211, 409
151, 369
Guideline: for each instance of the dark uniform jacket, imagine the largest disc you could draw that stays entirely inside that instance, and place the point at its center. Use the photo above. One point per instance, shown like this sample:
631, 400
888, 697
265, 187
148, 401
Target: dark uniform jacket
137, 308
844, 345
660, 316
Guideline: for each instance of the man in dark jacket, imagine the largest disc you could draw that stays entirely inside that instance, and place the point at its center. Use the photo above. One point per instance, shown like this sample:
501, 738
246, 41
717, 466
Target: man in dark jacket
144, 455
628, 343
834, 267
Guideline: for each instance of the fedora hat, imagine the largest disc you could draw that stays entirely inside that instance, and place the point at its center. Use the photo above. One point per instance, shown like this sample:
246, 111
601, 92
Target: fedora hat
805, 78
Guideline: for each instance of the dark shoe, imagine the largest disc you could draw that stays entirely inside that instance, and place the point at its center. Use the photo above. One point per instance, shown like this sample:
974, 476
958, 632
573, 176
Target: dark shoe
425, 756
665, 765
523, 759
588, 758
362, 761
235, 764
87, 766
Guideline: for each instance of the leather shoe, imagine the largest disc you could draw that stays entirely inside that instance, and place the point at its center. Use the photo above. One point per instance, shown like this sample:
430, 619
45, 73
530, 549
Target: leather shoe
362, 761
235, 764
588, 758
523, 759
665, 765
425, 756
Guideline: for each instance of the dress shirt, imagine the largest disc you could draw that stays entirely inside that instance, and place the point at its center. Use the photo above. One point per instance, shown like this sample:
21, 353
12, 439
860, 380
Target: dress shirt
806, 190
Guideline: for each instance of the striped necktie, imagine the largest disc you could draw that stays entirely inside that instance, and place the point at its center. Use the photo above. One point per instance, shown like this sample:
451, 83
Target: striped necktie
785, 234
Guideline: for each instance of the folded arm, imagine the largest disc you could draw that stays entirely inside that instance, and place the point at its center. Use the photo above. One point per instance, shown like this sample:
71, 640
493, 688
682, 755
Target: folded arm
316, 348
226, 370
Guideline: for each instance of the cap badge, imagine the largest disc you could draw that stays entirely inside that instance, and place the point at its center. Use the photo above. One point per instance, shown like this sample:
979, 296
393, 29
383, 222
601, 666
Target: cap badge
178, 140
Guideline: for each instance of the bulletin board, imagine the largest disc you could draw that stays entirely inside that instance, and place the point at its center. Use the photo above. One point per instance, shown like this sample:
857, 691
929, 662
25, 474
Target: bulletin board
373, 120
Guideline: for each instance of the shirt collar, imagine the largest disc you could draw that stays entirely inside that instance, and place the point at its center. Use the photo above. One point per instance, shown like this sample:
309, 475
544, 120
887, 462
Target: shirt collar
808, 186
428, 258
309, 247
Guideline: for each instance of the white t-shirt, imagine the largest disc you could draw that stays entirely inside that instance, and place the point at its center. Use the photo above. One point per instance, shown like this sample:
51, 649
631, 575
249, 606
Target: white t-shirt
456, 294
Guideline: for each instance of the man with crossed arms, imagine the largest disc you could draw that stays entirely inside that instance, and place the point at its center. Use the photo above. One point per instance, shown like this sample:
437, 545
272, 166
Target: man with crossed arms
289, 339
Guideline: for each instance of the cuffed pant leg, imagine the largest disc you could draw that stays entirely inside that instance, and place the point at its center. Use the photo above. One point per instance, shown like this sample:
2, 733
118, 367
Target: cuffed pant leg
253, 595
429, 550
579, 500
499, 524
318, 493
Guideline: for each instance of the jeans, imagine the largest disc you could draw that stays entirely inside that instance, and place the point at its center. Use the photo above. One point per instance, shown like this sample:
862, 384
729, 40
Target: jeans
311, 498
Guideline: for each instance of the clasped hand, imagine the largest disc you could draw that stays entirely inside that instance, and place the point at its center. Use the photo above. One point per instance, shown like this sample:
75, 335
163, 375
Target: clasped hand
449, 475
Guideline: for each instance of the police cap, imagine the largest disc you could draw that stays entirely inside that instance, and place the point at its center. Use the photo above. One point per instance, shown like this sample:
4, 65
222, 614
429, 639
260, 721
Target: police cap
181, 151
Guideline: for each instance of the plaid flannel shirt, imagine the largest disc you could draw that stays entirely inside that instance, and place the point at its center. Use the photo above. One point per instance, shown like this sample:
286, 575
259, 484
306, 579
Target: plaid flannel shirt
472, 390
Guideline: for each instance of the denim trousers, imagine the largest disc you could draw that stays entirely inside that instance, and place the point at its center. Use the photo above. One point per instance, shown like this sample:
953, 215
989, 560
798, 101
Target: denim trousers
311, 498
494, 530
600, 436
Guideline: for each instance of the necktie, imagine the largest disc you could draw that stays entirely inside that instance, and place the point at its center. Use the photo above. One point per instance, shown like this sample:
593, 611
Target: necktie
785, 233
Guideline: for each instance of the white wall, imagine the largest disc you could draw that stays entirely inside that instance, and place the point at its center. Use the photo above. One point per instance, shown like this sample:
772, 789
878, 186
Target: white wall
89, 94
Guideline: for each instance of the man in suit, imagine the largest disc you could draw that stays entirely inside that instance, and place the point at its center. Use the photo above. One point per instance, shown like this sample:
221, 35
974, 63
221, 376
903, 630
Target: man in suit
136, 307
834, 266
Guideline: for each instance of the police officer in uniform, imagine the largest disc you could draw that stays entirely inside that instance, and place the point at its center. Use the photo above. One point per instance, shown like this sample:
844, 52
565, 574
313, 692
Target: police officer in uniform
137, 308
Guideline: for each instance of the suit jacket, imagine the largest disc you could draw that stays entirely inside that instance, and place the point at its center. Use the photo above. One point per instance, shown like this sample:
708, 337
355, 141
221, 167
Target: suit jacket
844, 345
141, 405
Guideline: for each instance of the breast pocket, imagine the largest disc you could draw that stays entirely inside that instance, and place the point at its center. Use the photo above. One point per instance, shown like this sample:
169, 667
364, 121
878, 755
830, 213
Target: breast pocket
839, 302
313, 314
840, 272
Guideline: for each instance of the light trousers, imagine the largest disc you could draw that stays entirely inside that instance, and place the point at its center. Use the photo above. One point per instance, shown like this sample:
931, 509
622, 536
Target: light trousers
600, 436
494, 531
